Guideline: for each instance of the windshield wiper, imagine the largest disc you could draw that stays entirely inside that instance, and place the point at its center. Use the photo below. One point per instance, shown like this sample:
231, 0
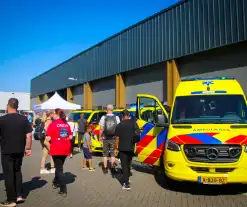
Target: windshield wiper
232, 121
183, 121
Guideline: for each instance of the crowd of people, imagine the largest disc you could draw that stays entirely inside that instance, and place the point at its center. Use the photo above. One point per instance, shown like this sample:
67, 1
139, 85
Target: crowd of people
56, 135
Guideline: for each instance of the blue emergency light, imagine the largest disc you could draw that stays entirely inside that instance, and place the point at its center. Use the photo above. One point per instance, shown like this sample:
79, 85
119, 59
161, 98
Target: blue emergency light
209, 78
133, 106
206, 92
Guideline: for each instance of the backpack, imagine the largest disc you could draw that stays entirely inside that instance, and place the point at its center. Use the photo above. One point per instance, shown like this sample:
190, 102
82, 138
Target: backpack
110, 126
39, 132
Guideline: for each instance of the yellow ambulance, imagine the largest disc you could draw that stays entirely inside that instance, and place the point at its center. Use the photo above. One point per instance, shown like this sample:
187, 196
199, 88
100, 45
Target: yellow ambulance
93, 118
205, 138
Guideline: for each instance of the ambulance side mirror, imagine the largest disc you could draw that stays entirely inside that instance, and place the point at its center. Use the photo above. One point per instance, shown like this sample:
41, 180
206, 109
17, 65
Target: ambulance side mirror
161, 120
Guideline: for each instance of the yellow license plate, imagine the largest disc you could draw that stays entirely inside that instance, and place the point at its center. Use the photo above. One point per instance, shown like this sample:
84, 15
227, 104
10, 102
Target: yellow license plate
214, 180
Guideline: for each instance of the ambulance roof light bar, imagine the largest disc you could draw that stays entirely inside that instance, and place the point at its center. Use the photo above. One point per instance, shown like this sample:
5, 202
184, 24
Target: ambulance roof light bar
209, 78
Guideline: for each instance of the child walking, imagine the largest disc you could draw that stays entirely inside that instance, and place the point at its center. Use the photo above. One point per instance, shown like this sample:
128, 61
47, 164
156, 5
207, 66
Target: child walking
87, 149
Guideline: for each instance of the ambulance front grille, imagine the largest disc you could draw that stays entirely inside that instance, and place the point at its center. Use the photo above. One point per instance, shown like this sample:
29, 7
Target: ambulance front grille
212, 153
216, 170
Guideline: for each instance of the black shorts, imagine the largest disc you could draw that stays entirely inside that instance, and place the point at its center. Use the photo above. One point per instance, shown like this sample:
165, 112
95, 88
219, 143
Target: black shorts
108, 147
87, 153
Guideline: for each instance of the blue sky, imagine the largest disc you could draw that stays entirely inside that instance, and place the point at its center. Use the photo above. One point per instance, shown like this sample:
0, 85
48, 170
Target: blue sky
37, 35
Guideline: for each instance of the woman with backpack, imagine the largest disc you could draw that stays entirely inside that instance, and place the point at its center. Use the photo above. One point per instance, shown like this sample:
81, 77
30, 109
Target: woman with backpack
59, 136
46, 121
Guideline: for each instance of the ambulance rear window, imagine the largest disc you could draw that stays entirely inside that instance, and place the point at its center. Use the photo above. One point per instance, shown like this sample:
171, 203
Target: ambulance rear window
119, 114
77, 115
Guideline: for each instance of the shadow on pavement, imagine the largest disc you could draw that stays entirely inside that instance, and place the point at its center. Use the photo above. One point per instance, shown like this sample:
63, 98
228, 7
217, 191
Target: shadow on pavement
1, 177
142, 167
33, 184
69, 178
189, 187
118, 176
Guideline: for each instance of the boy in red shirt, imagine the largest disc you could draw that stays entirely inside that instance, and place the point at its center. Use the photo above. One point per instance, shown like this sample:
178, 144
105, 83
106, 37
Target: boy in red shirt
59, 135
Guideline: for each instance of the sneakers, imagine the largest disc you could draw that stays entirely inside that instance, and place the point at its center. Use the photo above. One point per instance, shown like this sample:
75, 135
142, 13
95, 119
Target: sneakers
126, 186
105, 170
52, 171
20, 199
7, 203
63, 194
92, 169
44, 171
55, 186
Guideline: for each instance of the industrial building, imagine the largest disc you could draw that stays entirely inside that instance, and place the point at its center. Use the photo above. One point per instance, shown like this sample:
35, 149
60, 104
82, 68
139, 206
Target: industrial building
23, 98
190, 38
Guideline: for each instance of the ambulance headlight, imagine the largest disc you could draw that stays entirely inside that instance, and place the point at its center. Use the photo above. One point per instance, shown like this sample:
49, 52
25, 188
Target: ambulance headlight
172, 146
245, 148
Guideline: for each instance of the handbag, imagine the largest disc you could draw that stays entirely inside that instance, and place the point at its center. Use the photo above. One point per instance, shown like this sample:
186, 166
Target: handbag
137, 133
39, 132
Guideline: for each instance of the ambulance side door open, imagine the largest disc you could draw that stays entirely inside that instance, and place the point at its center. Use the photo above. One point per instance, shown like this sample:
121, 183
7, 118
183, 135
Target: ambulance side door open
152, 120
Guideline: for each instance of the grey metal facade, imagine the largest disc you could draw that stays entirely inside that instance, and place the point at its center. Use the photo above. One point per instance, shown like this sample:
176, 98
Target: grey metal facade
104, 91
186, 28
77, 92
149, 80
34, 101
230, 61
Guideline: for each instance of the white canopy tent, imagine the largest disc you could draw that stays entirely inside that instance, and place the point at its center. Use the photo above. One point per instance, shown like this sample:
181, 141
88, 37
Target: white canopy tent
56, 101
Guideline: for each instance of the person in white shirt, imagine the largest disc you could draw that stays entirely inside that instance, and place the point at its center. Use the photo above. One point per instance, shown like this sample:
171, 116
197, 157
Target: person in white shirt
74, 130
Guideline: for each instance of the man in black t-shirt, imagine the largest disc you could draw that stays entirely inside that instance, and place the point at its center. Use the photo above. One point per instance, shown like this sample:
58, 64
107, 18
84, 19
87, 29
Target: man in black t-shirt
16, 140
125, 143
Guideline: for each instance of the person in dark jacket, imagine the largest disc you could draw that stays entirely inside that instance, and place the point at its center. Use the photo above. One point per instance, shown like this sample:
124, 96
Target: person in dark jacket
124, 145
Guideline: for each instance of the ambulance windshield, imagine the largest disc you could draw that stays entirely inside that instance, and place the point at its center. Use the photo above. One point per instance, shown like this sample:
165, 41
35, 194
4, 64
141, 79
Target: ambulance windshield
206, 109
77, 115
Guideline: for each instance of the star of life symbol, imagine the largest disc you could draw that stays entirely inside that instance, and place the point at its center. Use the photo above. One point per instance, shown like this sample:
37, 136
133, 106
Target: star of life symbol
207, 83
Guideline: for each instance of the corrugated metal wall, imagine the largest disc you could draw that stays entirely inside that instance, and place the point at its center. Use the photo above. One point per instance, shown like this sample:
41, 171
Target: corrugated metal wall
77, 92
104, 91
34, 101
187, 28
63, 93
148, 80
230, 61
